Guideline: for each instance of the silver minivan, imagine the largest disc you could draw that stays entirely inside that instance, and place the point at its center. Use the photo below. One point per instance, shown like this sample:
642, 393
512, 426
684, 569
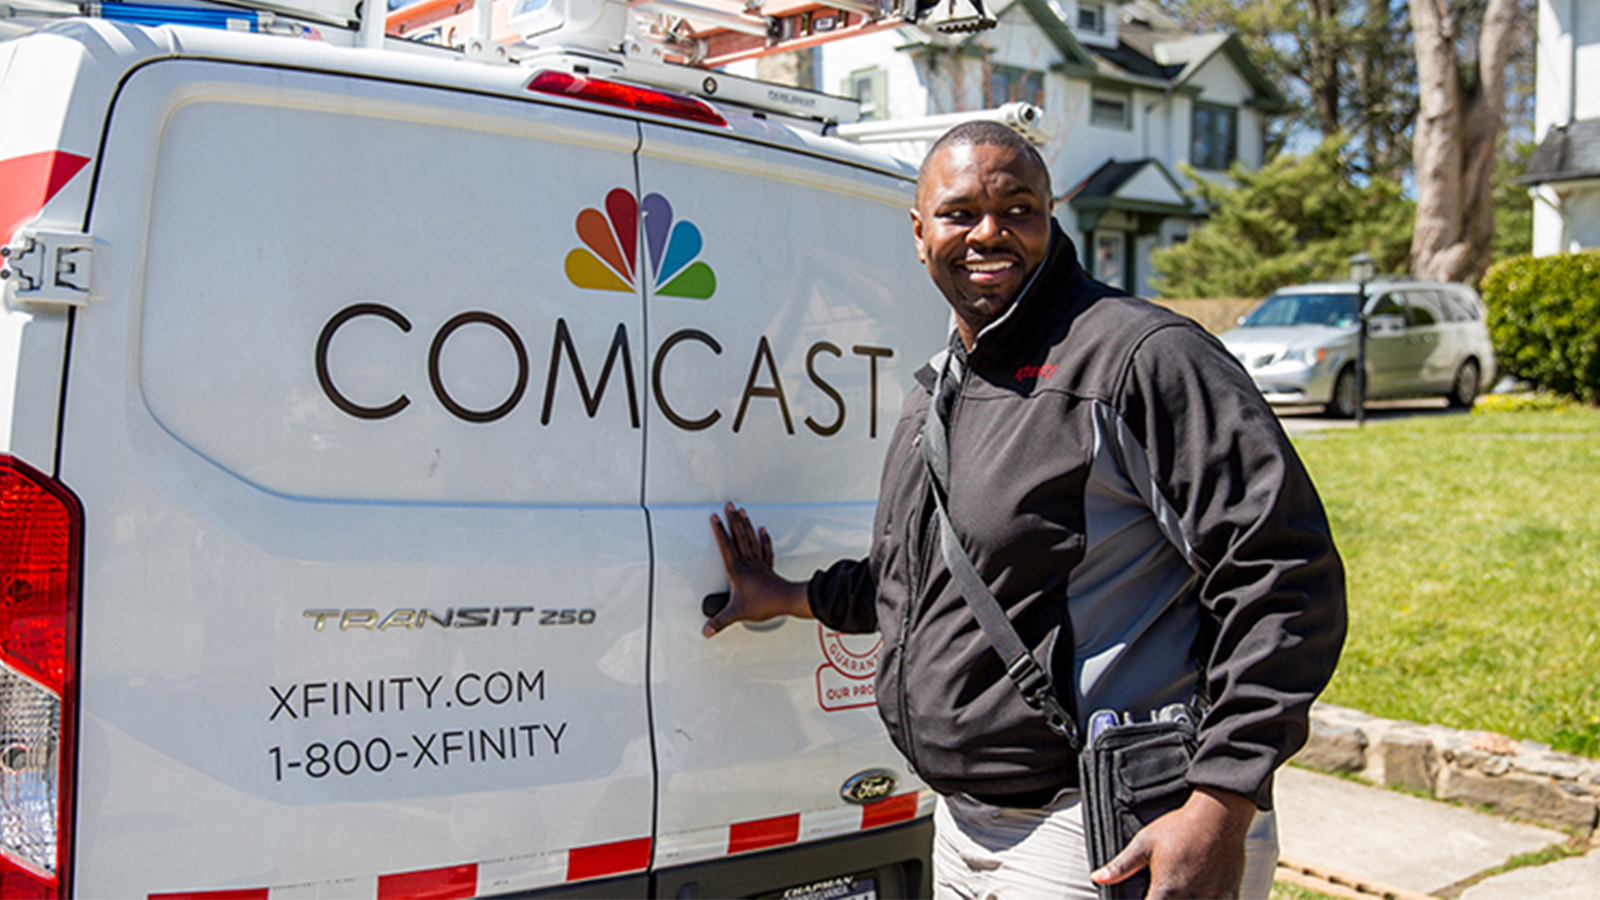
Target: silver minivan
1424, 338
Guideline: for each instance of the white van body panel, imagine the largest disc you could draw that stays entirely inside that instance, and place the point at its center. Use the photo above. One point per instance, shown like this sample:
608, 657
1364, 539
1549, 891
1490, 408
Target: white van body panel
779, 392
239, 515
394, 557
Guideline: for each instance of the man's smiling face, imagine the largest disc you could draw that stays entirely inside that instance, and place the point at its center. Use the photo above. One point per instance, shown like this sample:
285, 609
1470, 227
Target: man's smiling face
982, 225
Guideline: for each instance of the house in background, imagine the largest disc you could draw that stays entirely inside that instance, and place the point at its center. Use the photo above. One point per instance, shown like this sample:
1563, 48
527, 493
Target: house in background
1564, 172
1128, 96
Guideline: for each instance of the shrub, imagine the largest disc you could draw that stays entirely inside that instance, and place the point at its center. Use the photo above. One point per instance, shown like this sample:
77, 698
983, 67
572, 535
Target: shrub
1490, 404
1544, 319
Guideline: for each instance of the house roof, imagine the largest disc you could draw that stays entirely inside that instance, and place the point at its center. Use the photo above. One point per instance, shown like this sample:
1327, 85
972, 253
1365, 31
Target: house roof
1568, 152
1151, 44
1112, 180
1140, 187
1152, 51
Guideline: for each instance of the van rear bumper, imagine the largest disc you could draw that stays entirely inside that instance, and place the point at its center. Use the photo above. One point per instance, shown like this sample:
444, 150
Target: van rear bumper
898, 859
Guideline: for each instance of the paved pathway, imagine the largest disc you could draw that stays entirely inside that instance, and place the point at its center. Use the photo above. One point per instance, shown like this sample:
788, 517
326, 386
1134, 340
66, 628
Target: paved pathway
1397, 840
1298, 420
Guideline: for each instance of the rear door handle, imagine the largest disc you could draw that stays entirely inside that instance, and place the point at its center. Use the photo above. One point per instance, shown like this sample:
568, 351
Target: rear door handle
711, 604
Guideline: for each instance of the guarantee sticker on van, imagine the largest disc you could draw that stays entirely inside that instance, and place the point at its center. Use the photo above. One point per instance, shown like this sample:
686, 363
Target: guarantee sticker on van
846, 678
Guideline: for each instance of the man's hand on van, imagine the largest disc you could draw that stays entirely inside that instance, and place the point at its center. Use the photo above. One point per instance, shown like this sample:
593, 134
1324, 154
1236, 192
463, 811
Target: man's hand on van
756, 593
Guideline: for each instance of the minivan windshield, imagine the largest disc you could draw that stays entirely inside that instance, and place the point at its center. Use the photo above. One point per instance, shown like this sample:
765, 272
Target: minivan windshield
1279, 310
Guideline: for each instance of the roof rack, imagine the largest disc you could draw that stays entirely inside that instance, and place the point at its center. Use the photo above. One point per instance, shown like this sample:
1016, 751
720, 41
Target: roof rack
662, 43
700, 33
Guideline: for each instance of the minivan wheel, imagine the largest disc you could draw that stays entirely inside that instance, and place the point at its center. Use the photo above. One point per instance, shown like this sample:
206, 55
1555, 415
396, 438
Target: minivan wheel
1465, 388
1342, 405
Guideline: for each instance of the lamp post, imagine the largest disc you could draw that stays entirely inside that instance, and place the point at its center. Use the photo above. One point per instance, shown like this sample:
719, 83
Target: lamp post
1362, 269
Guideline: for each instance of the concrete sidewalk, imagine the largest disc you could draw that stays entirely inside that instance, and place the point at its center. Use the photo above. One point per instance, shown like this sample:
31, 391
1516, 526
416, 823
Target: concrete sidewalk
1375, 838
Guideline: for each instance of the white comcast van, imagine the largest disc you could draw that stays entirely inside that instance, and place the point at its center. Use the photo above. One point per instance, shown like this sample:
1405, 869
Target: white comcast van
362, 413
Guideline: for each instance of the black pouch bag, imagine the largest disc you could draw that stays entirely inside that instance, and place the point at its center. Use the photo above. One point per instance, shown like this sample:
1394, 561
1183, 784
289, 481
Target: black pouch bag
1131, 775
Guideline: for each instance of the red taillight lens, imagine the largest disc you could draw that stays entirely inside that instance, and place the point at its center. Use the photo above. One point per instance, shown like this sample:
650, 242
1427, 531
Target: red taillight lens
615, 93
41, 552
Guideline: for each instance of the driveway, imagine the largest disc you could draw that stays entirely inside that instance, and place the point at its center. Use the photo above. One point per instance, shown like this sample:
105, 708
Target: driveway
1297, 420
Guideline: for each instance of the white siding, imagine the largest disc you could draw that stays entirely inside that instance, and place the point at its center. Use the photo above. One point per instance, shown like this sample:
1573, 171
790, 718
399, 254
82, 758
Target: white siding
1568, 55
1252, 137
1151, 185
1553, 100
1582, 206
1018, 42
908, 93
1221, 83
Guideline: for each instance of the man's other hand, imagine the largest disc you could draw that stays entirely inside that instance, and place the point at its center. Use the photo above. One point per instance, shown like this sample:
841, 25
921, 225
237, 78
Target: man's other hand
756, 593
1195, 851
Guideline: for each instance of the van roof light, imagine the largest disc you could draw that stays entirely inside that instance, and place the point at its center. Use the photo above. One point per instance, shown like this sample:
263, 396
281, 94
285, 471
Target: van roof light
627, 96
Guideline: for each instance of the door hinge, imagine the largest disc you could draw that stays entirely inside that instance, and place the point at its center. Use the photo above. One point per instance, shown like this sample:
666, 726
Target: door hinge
48, 268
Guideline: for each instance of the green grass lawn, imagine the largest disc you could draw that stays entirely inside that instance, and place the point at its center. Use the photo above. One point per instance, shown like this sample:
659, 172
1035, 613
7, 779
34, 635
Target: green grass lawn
1472, 553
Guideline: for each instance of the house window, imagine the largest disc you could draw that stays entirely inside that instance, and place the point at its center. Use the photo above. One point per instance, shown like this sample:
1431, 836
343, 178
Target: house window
1214, 138
1109, 264
1111, 108
870, 88
1008, 85
1091, 17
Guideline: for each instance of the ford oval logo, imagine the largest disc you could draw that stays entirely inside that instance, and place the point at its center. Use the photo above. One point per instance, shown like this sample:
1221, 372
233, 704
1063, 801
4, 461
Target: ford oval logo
869, 786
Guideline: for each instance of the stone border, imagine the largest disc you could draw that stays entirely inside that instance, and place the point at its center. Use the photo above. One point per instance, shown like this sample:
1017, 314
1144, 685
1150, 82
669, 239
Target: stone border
1479, 768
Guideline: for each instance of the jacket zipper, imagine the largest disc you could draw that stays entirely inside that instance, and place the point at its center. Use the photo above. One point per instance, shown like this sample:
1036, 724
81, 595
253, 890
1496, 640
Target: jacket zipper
919, 579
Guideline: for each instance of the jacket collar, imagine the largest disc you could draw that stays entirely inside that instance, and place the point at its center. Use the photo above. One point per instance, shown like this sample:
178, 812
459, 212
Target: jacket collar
1003, 337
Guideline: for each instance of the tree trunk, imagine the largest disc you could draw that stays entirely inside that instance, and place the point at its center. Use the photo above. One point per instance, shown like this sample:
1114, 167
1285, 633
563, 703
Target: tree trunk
1460, 108
1324, 49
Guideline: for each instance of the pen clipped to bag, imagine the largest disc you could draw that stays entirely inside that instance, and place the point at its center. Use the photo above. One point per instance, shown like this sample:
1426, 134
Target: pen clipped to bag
1132, 773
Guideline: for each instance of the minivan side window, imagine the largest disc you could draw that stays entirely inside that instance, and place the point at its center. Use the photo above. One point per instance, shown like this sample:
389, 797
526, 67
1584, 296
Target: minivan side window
1422, 309
1458, 306
1388, 305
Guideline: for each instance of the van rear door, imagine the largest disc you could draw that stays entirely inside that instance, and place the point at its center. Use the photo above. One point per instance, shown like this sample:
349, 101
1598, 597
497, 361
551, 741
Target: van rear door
366, 580
787, 312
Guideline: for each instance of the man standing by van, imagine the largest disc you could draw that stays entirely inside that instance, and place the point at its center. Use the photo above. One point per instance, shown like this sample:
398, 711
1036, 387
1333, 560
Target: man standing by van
1120, 486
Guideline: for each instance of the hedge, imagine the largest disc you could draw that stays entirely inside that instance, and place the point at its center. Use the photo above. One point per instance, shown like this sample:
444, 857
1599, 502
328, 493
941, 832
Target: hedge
1544, 319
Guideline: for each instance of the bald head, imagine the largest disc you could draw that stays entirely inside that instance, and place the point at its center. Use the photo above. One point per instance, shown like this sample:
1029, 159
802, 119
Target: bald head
982, 221
984, 134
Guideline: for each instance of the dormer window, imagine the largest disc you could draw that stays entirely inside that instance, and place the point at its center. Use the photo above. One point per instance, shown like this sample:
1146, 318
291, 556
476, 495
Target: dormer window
1111, 108
1091, 17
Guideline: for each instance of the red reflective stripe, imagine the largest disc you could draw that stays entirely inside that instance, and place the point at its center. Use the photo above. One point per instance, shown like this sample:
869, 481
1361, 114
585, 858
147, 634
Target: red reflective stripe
431, 884
27, 183
236, 894
608, 859
899, 808
763, 833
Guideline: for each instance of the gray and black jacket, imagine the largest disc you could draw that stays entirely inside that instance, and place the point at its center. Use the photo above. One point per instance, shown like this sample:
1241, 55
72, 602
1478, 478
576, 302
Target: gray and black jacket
1132, 502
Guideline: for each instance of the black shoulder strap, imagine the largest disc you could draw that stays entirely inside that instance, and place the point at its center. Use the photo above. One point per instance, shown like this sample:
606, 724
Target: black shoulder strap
1030, 678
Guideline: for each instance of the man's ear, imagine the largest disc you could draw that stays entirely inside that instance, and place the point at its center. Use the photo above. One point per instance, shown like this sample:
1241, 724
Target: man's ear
916, 235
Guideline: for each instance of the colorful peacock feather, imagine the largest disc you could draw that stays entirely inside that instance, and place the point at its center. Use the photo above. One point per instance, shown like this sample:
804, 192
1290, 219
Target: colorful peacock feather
608, 261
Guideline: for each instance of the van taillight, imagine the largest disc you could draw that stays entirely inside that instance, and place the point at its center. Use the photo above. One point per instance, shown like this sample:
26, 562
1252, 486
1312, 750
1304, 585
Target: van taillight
41, 554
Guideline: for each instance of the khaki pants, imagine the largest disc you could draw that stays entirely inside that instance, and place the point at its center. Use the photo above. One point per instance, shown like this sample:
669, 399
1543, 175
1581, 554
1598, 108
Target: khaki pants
983, 852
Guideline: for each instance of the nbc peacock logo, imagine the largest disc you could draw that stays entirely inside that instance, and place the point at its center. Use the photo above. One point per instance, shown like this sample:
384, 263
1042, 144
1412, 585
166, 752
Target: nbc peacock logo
609, 259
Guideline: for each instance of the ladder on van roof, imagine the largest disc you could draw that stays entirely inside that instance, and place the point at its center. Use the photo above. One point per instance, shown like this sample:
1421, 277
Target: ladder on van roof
700, 33
664, 43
